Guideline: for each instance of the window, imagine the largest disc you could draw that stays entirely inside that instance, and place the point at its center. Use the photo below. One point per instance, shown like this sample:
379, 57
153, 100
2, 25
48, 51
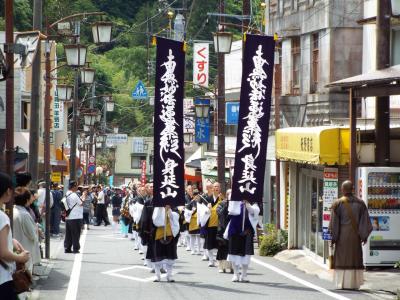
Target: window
395, 59
136, 161
296, 65
315, 62
25, 113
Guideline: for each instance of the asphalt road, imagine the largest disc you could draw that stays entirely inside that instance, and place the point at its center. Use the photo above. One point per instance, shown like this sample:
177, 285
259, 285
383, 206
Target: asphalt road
109, 268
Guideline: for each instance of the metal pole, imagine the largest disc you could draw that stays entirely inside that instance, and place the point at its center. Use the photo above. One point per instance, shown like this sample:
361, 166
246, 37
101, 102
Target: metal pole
9, 99
221, 115
47, 149
353, 143
72, 157
382, 104
35, 97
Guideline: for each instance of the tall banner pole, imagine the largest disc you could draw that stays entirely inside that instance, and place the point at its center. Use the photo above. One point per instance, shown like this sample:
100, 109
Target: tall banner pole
168, 124
254, 115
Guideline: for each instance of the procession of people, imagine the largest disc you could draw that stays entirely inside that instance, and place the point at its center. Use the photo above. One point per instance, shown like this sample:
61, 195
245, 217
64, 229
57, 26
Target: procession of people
208, 225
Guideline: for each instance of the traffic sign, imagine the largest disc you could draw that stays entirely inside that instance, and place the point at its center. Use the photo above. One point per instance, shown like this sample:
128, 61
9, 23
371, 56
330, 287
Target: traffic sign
91, 168
92, 159
139, 92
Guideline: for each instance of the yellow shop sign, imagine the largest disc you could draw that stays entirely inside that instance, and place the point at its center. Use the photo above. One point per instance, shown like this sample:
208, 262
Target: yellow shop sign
314, 145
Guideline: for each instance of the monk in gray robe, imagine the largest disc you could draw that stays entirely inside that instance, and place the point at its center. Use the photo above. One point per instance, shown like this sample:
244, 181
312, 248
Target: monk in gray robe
350, 227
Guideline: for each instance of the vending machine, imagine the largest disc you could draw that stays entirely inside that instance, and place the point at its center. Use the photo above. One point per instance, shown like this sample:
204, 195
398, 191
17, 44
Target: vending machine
379, 187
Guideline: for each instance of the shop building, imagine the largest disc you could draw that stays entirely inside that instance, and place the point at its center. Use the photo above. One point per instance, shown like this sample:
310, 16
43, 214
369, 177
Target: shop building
304, 154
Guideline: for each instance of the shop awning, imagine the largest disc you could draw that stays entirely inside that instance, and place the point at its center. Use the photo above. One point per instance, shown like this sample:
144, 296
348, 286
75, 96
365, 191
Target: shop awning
314, 145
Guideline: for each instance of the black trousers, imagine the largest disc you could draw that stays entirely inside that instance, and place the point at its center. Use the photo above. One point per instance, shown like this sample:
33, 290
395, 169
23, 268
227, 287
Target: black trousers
86, 218
72, 234
7, 291
101, 214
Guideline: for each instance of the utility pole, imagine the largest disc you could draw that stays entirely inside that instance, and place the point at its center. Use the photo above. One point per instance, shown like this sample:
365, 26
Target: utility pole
35, 97
221, 110
46, 139
75, 104
382, 104
9, 98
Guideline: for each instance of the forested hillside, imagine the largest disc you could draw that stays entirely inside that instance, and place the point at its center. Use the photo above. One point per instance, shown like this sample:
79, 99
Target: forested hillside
131, 57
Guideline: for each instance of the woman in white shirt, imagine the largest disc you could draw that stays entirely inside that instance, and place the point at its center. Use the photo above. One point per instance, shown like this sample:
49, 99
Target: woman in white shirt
25, 230
7, 257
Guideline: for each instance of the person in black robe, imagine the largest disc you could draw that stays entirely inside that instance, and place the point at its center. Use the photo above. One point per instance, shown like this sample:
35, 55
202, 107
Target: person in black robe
165, 240
223, 220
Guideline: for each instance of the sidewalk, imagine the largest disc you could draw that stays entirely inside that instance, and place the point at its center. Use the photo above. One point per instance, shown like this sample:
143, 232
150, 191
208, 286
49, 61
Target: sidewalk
43, 271
380, 281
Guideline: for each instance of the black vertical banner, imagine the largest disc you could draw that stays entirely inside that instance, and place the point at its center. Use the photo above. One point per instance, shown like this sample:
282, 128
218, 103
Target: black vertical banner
168, 124
254, 115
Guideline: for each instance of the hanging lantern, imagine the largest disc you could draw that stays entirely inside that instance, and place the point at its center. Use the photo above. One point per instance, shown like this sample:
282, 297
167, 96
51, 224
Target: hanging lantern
64, 92
222, 42
101, 32
87, 75
109, 102
89, 118
76, 55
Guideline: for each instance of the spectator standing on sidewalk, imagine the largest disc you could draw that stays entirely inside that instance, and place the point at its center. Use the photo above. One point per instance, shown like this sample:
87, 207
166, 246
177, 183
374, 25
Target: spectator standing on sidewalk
350, 227
42, 202
87, 206
101, 210
73, 222
55, 212
24, 228
7, 256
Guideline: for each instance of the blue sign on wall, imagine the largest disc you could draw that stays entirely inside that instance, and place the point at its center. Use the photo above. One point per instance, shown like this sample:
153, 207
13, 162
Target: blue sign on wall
202, 130
232, 113
139, 91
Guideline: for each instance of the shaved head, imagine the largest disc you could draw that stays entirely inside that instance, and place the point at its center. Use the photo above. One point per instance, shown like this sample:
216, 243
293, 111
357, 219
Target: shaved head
347, 187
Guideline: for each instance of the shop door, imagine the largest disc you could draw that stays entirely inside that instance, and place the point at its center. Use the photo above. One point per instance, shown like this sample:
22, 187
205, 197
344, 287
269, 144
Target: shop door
316, 243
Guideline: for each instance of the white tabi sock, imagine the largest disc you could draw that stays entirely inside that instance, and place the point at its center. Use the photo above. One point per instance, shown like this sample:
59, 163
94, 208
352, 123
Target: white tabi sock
169, 271
235, 277
243, 276
157, 268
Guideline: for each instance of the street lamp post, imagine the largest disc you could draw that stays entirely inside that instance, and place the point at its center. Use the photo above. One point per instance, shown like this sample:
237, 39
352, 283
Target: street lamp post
222, 45
76, 57
9, 97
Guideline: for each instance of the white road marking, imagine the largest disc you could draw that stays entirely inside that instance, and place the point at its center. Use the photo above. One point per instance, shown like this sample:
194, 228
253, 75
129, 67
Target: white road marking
115, 273
299, 280
113, 237
76, 270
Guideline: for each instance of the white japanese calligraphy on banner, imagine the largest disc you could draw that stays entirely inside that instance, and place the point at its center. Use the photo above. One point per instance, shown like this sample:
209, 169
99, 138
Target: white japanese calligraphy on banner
169, 141
251, 136
200, 64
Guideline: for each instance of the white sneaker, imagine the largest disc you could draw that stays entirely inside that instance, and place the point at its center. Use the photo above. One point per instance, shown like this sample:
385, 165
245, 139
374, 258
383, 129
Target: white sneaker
235, 278
244, 279
204, 258
192, 253
221, 271
140, 252
211, 264
188, 248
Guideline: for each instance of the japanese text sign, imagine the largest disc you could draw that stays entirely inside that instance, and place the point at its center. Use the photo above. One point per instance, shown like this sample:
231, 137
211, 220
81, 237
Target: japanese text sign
168, 124
254, 115
200, 64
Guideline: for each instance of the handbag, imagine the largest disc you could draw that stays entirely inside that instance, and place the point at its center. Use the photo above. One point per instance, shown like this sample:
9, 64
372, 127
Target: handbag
66, 207
22, 278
